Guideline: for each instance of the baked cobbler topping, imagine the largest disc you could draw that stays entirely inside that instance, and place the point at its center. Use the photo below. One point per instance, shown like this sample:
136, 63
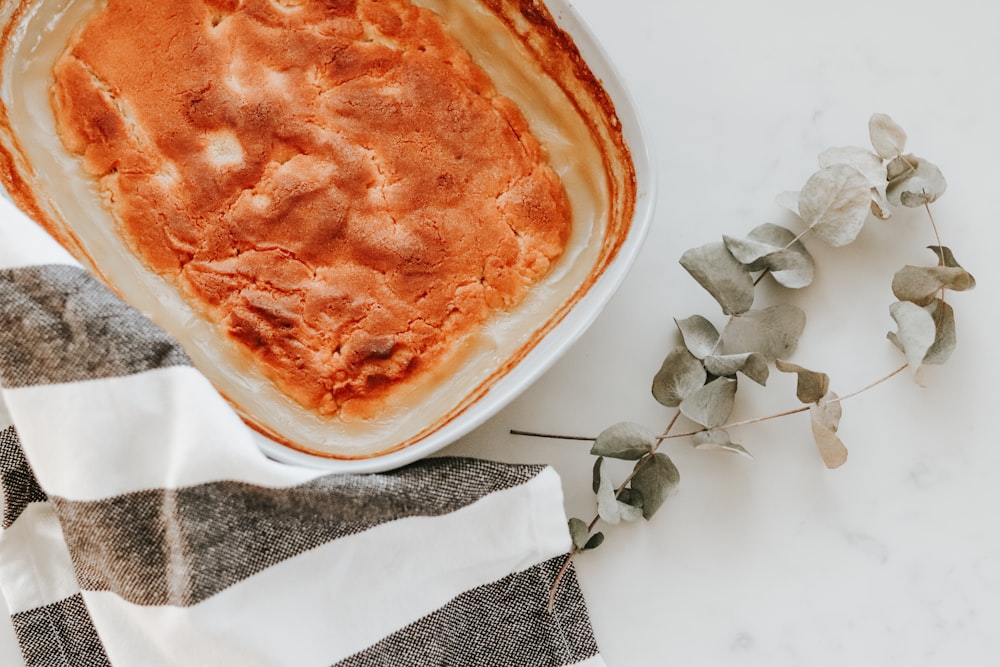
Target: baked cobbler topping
335, 183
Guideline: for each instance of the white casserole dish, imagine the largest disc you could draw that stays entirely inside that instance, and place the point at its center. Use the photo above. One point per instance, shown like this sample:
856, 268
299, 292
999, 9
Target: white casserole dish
544, 59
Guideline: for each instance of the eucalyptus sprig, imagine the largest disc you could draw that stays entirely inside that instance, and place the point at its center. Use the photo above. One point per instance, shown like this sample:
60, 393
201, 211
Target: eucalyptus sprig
700, 378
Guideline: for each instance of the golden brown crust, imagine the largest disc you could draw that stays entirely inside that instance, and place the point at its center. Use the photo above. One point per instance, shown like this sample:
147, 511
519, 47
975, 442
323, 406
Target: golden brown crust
335, 182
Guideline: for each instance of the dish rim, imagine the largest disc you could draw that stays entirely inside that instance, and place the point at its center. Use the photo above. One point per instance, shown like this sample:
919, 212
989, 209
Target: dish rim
561, 338
573, 319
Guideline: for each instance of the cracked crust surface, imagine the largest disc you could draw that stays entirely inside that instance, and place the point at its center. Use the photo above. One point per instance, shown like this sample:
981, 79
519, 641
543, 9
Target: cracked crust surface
335, 183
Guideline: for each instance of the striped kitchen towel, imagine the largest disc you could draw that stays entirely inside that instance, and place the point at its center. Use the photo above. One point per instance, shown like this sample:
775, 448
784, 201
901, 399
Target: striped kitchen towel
143, 527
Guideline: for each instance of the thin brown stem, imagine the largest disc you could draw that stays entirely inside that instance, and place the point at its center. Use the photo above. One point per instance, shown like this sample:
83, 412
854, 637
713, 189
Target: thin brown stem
747, 422
593, 522
796, 411
666, 435
553, 436
798, 238
874, 384
666, 432
551, 605
937, 235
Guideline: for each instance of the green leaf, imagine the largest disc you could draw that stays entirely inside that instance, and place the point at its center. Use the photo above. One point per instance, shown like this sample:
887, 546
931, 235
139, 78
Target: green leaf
919, 284
700, 336
631, 497
728, 281
776, 249
812, 385
680, 375
916, 333
751, 364
835, 203
579, 532
944, 332
718, 439
825, 416
582, 539
914, 182
888, 138
711, 405
609, 508
596, 477
655, 478
773, 332
624, 440
607, 504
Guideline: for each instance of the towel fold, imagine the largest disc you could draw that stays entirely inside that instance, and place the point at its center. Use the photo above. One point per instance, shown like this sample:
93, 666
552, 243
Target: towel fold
142, 525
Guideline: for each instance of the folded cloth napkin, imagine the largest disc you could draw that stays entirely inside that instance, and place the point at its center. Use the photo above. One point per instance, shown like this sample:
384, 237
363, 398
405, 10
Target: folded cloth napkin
143, 527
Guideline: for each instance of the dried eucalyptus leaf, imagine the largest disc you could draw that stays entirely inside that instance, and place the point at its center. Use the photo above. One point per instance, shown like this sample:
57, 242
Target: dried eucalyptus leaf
944, 330
773, 332
828, 411
609, 508
919, 284
945, 256
700, 336
596, 478
862, 159
880, 204
749, 252
628, 513
914, 182
756, 368
711, 405
579, 532
751, 364
726, 365
718, 439
792, 266
788, 199
916, 333
954, 278
812, 385
835, 203
776, 236
607, 503
624, 440
728, 281
791, 269
831, 449
596, 540
631, 497
655, 478
825, 416
902, 166
888, 138
680, 376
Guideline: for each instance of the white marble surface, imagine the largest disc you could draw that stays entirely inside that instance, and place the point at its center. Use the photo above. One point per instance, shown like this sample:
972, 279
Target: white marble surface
895, 558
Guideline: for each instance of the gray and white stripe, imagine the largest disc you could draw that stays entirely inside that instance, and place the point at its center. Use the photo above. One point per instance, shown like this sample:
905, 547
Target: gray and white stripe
142, 526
